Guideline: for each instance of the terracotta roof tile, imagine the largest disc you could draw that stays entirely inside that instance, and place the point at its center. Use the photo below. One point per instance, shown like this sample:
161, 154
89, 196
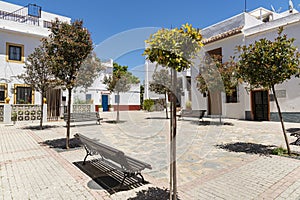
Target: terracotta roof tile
223, 35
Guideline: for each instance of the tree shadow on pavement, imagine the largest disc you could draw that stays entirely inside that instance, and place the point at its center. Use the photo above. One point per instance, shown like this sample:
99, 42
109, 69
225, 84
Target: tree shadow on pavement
114, 122
249, 148
296, 133
152, 193
59, 145
106, 177
37, 127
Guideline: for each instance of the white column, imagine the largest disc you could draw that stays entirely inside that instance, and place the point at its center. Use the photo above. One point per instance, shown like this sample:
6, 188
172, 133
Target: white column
7, 113
45, 113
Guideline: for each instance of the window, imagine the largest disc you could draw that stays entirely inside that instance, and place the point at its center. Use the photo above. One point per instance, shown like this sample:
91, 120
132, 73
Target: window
14, 52
117, 98
47, 24
233, 97
23, 94
3, 92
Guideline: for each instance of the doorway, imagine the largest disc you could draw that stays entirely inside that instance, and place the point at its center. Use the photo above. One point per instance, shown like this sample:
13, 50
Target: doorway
260, 105
214, 103
104, 103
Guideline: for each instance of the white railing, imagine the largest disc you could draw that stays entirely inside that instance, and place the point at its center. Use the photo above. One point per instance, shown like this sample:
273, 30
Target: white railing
1, 113
82, 108
25, 112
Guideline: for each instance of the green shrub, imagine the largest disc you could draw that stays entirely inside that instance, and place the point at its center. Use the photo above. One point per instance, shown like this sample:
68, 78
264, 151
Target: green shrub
148, 105
279, 151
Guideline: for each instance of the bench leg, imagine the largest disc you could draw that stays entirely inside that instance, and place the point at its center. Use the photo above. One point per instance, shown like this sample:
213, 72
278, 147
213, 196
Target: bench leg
143, 180
125, 176
87, 154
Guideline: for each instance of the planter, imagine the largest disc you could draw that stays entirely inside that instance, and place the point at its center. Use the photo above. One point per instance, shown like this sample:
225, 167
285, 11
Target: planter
7, 99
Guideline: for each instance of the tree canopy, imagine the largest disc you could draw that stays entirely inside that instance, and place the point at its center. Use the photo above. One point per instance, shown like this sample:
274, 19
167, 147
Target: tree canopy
217, 76
89, 71
267, 63
174, 47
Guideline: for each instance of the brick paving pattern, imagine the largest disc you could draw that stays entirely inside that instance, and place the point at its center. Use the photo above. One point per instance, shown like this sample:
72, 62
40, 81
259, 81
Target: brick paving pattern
30, 170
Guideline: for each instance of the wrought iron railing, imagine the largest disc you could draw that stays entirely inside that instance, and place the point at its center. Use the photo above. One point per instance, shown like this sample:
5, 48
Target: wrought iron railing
29, 14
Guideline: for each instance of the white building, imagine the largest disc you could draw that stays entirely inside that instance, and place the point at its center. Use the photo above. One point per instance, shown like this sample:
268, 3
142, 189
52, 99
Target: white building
222, 38
21, 29
100, 97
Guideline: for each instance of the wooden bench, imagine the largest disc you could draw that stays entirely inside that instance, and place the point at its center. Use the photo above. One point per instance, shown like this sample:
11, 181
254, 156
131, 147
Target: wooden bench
114, 158
82, 117
191, 113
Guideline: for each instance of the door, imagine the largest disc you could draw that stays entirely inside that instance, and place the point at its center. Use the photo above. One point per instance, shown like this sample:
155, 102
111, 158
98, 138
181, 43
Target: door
260, 105
53, 97
104, 102
214, 103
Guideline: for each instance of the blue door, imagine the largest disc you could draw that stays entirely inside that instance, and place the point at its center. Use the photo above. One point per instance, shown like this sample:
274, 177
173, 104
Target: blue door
105, 102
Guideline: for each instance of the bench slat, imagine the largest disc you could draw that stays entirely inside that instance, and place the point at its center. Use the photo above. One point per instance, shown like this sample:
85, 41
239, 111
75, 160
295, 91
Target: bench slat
127, 164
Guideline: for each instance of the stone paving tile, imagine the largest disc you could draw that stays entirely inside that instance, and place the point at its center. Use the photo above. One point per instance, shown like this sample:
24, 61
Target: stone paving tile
204, 171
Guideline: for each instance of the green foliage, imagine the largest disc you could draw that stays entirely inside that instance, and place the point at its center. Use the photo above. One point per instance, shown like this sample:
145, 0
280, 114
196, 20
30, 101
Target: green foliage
77, 100
14, 116
161, 82
279, 151
188, 105
89, 71
174, 48
267, 63
38, 71
148, 105
68, 46
216, 76
120, 80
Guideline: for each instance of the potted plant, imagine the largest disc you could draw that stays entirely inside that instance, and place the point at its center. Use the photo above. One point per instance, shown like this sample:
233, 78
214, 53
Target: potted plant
14, 116
188, 105
7, 99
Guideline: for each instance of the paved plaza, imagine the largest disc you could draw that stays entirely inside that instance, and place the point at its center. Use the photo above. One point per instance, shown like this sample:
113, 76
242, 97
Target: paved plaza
30, 169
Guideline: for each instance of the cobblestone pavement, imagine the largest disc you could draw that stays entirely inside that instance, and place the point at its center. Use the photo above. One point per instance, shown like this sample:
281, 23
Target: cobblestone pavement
29, 170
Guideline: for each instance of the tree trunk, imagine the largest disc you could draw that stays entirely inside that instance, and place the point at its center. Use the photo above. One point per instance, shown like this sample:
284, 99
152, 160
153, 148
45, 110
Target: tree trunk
118, 108
171, 147
69, 116
167, 117
281, 121
173, 138
42, 110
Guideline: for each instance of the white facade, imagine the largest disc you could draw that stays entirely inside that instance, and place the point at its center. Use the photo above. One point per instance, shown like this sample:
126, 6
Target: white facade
19, 35
225, 36
97, 93
245, 29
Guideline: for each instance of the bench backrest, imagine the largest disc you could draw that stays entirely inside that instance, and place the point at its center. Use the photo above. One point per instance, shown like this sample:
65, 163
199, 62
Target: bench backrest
105, 151
78, 116
193, 112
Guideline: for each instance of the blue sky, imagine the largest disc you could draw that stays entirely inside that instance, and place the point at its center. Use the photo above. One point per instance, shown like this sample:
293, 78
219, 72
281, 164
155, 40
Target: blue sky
109, 20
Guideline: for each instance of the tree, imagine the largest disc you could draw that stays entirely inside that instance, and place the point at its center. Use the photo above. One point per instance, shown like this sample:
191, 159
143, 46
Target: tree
38, 75
120, 81
161, 84
175, 49
267, 63
89, 71
67, 47
216, 76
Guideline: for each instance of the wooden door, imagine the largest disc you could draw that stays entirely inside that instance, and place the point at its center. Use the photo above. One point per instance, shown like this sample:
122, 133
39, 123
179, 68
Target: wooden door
260, 105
